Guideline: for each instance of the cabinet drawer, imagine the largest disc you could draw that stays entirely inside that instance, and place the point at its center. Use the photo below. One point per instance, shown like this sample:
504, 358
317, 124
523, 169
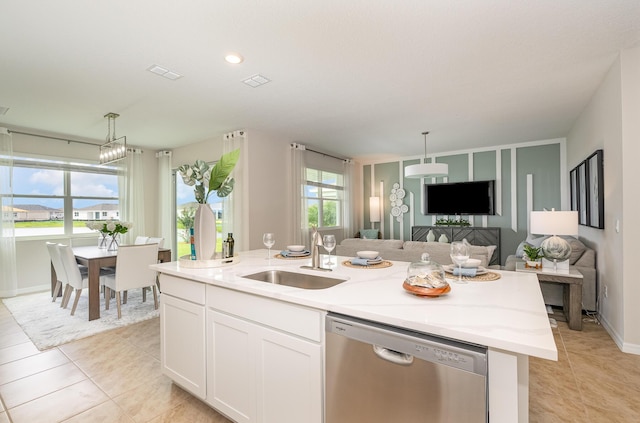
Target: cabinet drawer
182, 288
297, 320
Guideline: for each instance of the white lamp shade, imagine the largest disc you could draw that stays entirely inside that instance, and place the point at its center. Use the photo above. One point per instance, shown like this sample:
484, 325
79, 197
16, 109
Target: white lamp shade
423, 170
374, 209
554, 222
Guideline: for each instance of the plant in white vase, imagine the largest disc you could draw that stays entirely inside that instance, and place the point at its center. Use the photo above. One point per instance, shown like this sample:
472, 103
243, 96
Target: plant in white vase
207, 181
532, 255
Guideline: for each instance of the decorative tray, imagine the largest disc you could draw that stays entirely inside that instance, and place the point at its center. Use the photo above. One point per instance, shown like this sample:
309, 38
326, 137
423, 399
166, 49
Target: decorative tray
280, 256
425, 292
185, 261
485, 277
381, 265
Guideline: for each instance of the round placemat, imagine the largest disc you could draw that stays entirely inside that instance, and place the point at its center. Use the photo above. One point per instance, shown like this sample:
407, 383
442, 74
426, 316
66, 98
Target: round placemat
280, 256
487, 277
381, 265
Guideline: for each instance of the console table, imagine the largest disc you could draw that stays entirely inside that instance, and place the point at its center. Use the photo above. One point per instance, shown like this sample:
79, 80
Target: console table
571, 281
475, 235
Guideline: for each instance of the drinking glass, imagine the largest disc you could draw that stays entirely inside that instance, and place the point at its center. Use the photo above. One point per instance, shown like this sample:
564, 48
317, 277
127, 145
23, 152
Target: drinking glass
459, 255
329, 242
268, 239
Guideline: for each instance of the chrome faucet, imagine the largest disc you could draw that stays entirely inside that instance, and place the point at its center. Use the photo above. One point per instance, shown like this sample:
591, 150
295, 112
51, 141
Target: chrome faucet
316, 241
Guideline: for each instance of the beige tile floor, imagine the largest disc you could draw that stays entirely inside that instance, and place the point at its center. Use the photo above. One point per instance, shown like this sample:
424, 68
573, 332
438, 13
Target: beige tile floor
592, 381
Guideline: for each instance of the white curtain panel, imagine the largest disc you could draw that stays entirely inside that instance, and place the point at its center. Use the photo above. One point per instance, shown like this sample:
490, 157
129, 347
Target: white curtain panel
235, 217
131, 187
300, 225
8, 272
165, 199
349, 219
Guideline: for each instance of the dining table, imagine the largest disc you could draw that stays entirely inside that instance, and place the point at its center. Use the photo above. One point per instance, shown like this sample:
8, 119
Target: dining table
95, 258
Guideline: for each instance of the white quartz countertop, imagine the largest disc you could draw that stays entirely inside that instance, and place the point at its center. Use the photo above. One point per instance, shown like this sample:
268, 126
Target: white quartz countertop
507, 314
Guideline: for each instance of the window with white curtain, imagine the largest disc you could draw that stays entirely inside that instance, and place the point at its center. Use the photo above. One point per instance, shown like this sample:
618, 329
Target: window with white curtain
323, 198
57, 197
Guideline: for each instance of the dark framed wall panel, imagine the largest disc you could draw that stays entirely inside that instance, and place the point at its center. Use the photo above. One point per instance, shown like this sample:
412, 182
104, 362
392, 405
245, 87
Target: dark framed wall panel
595, 193
587, 190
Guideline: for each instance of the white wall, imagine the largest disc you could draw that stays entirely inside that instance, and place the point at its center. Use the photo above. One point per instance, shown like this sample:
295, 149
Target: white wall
268, 189
610, 122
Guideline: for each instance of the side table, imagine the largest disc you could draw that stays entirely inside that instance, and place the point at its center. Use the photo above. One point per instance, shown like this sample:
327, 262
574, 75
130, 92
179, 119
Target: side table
571, 281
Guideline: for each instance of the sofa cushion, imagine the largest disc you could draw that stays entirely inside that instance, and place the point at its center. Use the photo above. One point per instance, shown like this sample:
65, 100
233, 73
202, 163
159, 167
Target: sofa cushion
372, 244
440, 251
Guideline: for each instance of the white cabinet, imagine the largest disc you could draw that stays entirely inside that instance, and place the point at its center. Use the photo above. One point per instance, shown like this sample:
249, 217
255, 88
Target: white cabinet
182, 333
260, 373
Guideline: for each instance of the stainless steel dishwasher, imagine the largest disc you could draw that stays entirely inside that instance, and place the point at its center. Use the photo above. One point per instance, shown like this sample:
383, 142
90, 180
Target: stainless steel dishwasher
381, 374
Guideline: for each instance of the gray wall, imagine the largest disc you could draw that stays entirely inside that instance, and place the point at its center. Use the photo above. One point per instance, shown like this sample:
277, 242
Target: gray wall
510, 165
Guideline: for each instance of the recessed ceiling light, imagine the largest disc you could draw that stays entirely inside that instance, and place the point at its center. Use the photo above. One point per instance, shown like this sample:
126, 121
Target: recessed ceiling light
233, 58
256, 80
164, 72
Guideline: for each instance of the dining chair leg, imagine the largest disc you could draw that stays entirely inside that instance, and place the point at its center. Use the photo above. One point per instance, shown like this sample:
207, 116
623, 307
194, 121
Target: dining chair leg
144, 294
107, 297
66, 296
56, 291
124, 297
118, 304
155, 297
75, 301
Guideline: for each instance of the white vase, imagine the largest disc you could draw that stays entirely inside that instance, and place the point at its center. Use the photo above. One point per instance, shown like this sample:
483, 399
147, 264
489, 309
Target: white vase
430, 236
204, 232
443, 238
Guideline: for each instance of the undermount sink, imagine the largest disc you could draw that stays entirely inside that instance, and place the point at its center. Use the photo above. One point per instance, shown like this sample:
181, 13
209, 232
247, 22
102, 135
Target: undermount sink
297, 280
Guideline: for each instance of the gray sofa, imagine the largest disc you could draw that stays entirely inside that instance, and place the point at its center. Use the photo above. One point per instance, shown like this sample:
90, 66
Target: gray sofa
394, 249
583, 259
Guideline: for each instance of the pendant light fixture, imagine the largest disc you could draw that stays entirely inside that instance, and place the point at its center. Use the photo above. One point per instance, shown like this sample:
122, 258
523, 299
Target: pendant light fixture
113, 149
424, 170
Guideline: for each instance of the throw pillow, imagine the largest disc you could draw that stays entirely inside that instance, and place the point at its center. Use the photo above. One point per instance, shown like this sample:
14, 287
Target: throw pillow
369, 233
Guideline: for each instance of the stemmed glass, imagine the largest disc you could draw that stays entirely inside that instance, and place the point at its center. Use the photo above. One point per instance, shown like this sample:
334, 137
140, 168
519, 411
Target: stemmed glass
329, 243
268, 239
459, 255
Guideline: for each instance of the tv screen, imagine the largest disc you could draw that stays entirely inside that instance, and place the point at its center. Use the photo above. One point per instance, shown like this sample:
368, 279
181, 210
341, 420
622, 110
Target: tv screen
474, 197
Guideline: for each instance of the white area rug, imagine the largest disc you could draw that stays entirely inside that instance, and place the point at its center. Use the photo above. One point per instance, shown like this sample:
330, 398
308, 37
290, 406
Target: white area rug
48, 325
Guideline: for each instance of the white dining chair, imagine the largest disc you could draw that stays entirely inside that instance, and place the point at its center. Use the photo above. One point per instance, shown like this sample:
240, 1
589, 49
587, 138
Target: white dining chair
75, 278
141, 240
132, 271
61, 276
154, 240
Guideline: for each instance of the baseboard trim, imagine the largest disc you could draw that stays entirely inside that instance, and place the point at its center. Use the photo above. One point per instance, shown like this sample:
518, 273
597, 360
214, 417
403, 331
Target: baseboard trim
625, 347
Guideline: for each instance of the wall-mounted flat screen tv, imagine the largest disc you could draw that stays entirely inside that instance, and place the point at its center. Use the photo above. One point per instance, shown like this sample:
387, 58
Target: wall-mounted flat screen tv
475, 197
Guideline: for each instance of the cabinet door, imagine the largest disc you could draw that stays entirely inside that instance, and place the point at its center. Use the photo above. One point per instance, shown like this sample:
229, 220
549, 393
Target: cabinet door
182, 352
231, 366
289, 379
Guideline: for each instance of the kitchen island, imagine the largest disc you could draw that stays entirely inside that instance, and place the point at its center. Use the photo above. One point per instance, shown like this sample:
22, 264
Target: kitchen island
507, 316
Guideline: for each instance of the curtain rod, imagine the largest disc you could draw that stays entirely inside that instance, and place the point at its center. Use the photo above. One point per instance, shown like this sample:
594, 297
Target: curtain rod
53, 138
344, 159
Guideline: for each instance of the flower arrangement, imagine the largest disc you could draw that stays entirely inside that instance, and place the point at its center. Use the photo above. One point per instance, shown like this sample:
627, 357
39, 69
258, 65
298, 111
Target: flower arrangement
110, 227
452, 222
215, 180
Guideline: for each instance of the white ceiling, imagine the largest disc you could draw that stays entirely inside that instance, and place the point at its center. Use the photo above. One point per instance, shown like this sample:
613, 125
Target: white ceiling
359, 78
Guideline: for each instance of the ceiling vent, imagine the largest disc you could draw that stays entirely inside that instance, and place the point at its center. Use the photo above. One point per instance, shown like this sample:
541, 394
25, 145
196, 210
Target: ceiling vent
165, 73
256, 80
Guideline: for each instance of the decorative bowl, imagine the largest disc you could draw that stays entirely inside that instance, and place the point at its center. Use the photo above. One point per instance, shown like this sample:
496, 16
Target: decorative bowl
295, 248
368, 254
472, 263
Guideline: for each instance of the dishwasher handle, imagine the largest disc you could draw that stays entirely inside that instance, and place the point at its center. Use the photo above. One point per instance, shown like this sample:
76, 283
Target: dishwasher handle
392, 356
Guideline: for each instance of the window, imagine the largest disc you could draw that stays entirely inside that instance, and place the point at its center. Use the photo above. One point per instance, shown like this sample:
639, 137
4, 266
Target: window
185, 210
54, 197
323, 198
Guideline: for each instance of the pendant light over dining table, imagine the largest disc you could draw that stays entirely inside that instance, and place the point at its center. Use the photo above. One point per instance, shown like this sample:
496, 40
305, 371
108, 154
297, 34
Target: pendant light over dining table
426, 170
114, 148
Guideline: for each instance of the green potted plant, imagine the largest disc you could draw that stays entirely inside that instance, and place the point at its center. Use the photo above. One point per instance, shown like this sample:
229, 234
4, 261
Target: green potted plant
532, 255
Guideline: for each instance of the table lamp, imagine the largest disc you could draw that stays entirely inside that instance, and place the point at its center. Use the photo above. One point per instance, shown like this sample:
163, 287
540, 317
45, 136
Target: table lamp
554, 223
